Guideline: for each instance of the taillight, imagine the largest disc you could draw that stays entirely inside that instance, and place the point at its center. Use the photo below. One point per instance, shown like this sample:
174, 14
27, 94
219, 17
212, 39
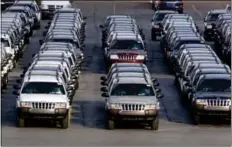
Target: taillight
157, 3
181, 4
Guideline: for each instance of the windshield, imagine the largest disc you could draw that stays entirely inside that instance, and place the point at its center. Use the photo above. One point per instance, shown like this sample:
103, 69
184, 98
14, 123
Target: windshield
66, 41
159, 17
5, 42
212, 17
132, 89
22, 11
43, 88
214, 85
179, 43
30, 6
127, 44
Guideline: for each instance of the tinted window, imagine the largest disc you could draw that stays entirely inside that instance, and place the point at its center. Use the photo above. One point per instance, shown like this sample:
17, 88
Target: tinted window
5, 42
212, 17
127, 44
159, 17
214, 85
42, 88
132, 89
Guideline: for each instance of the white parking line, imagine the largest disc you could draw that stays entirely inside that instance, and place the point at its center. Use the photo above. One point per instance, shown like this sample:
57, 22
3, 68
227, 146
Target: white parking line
149, 1
197, 11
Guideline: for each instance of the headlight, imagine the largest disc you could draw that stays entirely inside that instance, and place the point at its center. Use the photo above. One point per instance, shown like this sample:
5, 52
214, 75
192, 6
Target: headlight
201, 102
140, 57
151, 106
25, 104
113, 56
60, 105
114, 106
44, 6
209, 26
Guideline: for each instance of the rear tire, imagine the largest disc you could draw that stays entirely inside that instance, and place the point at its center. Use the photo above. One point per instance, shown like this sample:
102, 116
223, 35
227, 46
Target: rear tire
153, 36
5, 82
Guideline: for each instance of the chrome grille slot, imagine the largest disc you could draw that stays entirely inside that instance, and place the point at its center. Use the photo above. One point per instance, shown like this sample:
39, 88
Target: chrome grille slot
132, 107
127, 57
218, 102
43, 105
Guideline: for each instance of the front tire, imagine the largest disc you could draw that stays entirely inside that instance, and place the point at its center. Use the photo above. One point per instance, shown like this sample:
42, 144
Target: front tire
155, 124
20, 122
153, 36
66, 121
110, 124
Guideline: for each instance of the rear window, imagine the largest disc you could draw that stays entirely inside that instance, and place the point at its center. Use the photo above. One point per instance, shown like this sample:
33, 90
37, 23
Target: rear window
212, 17
159, 16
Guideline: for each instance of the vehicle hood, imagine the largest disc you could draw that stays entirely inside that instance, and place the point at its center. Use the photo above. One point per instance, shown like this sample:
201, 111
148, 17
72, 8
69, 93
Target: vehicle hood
43, 98
129, 52
213, 95
133, 99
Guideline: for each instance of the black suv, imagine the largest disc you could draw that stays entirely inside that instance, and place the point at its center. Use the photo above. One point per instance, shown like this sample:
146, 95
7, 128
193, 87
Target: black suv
176, 5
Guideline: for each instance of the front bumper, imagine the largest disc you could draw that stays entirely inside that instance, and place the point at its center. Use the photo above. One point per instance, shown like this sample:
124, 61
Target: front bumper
213, 111
42, 113
132, 115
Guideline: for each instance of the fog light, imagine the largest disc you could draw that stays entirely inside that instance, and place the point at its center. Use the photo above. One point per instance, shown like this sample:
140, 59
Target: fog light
146, 112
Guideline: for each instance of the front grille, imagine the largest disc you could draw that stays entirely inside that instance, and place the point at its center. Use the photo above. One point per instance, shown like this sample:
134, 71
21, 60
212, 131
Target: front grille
133, 107
127, 57
43, 105
218, 102
59, 6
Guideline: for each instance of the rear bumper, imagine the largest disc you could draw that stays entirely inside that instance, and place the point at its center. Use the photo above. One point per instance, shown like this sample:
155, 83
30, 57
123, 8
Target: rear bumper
170, 8
156, 31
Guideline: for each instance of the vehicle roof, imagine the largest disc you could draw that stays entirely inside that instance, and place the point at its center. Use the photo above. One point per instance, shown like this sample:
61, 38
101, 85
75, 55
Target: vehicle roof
217, 76
218, 11
213, 70
133, 80
41, 78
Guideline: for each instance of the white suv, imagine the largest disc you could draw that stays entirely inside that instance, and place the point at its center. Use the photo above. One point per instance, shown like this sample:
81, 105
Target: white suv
49, 7
42, 96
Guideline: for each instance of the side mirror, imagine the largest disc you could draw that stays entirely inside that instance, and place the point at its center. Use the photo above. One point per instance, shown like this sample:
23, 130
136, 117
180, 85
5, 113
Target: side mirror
105, 95
15, 93
156, 84
18, 81
159, 95
104, 89
22, 75
84, 17
152, 20
103, 78
101, 26
69, 89
44, 33
82, 46
103, 83
157, 90
49, 23
41, 42
16, 87
84, 23
33, 55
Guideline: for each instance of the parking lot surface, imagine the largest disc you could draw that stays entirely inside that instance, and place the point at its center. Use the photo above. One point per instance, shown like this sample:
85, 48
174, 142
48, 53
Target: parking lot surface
87, 126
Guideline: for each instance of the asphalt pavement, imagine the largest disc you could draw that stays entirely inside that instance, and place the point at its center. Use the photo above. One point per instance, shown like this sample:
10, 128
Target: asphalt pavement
87, 126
